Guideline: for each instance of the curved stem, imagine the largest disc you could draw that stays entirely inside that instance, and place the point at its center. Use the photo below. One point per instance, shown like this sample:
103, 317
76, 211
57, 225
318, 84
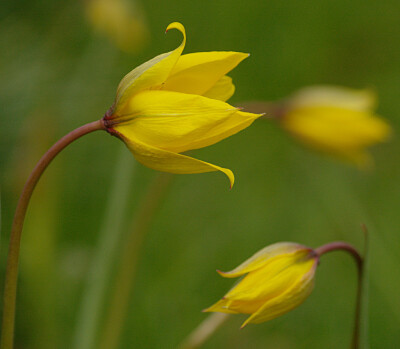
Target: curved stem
339, 245
10, 286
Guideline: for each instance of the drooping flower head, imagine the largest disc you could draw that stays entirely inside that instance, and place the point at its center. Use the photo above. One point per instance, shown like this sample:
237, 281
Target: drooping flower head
335, 120
277, 279
175, 103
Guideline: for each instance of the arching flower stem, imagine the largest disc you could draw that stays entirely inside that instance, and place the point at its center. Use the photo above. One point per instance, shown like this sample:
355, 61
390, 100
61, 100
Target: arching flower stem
10, 285
339, 245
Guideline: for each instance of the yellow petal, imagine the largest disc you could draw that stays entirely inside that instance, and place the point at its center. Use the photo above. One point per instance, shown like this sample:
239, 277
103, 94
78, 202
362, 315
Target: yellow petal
197, 73
221, 306
178, 122
281, 280
166, 161
335, 96
292, 298
151, 73
273, 278
222, 90
262, 257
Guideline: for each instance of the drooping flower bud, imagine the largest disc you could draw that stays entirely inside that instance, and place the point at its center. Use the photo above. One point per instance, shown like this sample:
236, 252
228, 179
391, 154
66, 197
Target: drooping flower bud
277, 279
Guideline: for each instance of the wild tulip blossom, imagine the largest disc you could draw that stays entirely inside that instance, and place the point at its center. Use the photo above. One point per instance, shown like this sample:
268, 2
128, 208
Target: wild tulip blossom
335, 120
175, 103
278, 279
166, 106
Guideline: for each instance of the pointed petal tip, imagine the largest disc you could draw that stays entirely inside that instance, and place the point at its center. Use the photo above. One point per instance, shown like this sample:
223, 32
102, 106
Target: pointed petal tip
230, 176
259, 115
209, 309
222, 273
243, 54
249, 115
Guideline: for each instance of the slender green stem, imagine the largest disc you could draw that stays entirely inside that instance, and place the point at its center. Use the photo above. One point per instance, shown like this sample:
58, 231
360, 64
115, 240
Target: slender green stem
339, 245
100, 273
10, 286
204, 331
129, 259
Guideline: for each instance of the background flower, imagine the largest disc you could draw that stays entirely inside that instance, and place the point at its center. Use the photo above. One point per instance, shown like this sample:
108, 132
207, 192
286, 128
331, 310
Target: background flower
336, 120
122, 21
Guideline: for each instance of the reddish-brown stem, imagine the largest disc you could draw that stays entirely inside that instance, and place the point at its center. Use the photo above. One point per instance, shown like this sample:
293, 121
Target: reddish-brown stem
10, 286
339, 245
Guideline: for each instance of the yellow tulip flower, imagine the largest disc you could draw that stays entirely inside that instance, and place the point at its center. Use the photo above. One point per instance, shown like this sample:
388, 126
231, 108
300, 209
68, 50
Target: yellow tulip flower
279, 278
175, 103
335, 120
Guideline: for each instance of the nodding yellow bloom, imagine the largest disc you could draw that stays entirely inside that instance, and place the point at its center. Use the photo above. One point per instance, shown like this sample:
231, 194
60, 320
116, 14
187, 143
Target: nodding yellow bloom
278, 279
120, 20
338, 121
173, 103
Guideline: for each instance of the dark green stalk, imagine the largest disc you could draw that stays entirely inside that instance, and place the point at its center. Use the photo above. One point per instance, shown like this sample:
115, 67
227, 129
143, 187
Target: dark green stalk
127, 266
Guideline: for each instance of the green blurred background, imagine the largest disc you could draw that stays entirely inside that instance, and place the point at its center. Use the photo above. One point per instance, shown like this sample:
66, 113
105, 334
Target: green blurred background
57, 74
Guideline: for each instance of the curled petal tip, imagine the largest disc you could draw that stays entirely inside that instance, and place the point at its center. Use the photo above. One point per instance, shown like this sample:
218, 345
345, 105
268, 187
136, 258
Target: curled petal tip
176, 25
230, 176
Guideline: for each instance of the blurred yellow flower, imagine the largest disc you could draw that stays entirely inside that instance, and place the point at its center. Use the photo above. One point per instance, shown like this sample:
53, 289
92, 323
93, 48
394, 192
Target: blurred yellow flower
338, 121
120, 20
173, 103
279, 278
